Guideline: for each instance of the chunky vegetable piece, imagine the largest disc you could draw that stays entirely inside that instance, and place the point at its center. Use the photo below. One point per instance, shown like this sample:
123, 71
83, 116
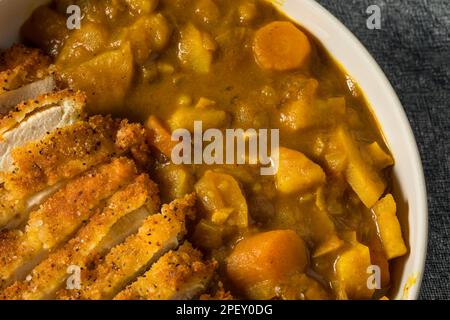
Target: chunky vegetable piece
297, 173
281, 46
149, 34
142, 6
361, 176
196, 49
378, 156
160, 137
222, 199
105, 78
175, 181
389, 227
211, 118
352, 271
271, 256
83, 44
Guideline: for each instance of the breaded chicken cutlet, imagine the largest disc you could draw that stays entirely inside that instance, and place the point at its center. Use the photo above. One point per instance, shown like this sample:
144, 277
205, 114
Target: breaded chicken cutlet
25, 73
74, 192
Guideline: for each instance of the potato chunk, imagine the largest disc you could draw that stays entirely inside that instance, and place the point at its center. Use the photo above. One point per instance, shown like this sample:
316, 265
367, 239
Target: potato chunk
222, 199
361, 176
142, 6
105, 79
297, 173
380, 158
149, 34
270, 256
281, 46
184, 118
389, 227
351, 270
83, 44
308, 112
196, 49
175, 181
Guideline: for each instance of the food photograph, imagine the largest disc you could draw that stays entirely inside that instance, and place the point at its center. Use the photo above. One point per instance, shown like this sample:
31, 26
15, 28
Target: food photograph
224, 150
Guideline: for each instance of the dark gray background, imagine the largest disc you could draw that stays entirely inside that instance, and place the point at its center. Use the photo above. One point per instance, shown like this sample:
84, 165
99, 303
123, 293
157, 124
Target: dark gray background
413, 48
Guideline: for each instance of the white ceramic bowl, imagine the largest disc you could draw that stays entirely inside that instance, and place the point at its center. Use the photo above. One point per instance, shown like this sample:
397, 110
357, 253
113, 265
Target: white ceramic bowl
385, 104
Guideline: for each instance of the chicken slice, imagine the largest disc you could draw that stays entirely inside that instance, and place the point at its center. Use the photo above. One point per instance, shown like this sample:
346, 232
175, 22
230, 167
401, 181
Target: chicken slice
21, 66
50, 274
178, 275
10, 99
65, 99
37, 167
24, 124
59, 217
62, 155
159, 234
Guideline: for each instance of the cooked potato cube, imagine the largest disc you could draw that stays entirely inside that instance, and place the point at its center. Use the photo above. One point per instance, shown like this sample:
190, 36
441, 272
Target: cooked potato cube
83, 44
208, 235
297, 173
389, 227
207, 11
271, 256
220, 194
361, 176
330, 245
196, 49
378, 156
351, 270
184, 118
105, 79
365, 182
142, 6
175, 182
307, 112
149, 34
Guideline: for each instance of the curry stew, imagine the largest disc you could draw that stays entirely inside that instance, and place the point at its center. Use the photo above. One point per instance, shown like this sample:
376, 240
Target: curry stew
315, 229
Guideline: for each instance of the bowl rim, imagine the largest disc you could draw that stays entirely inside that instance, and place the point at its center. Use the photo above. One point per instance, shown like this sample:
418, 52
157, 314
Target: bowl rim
411, 286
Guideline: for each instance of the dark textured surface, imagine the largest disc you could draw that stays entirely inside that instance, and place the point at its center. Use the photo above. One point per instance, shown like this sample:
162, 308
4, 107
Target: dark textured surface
413, 48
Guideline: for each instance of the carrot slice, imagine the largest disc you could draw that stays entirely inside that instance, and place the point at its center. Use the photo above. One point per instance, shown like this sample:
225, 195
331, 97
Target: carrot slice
281, 46
159, 137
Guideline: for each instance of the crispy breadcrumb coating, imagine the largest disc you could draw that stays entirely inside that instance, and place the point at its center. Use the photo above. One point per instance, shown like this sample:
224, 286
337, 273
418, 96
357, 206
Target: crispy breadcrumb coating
22, 65
178, 275
159, 234
21, 111
61, 215
50, 274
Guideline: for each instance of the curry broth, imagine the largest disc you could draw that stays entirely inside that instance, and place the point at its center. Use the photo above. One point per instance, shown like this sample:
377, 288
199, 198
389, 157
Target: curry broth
250, 97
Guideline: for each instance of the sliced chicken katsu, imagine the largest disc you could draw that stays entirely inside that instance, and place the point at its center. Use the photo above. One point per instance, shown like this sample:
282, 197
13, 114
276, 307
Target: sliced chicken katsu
63, 154
9, 99
59, 217
66, 99
24, 73
178, 275
50, 275
66, 152
159, 234
32, 120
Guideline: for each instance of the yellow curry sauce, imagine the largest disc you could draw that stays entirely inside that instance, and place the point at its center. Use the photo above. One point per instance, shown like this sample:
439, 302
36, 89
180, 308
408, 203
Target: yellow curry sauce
315, 229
